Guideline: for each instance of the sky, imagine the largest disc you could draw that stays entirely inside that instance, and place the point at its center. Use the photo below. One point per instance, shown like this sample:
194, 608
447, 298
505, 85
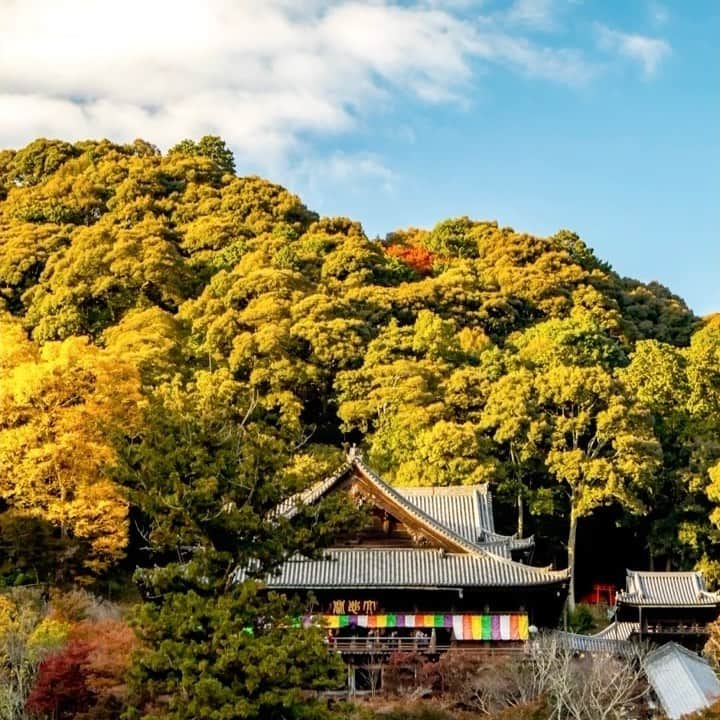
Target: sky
601, 116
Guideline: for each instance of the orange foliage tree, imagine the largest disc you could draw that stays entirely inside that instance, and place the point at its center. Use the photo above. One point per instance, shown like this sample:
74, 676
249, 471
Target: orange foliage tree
420, 259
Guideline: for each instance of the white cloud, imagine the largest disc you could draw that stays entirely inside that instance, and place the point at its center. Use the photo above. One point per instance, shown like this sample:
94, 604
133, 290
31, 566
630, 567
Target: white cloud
356, 169
535, 14
646, 50
263, 74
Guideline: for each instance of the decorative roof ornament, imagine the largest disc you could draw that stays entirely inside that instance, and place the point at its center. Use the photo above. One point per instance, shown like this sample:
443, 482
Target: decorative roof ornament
353, 453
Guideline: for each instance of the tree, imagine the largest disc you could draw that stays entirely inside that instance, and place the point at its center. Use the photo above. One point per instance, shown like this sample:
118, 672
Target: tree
512, 415
447, 453
657, 376
60, 689
208, 473
703, 363
419, 259
210, 146
600, 686
454, 237
107, 270
86, 679
600, 445
38, 161
62, 408
582, 426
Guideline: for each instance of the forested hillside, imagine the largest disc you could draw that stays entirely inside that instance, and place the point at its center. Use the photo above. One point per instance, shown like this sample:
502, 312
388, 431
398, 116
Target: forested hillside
182, 346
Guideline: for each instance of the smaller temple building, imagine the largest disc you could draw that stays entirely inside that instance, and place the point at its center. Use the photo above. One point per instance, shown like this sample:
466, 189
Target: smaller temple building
656, 607
668, 606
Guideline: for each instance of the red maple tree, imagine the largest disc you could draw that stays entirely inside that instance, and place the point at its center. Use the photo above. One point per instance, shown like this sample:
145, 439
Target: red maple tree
420, 259
61, 689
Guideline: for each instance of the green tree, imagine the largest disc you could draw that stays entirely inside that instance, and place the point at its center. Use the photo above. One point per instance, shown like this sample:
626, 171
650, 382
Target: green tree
600, 444
238, 655
210, 146
208, 473
657, 376
580, 423
512, 415
703, 372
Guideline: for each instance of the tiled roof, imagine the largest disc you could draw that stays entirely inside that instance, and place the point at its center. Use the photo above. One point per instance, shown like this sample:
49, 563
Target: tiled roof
612, 639
462, 514
683, 682
465, 510
409, 568
422, 517
666, 589
618, 631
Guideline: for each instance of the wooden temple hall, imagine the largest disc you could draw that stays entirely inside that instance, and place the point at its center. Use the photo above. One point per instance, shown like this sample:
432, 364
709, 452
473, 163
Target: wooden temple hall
668, 606
429, 572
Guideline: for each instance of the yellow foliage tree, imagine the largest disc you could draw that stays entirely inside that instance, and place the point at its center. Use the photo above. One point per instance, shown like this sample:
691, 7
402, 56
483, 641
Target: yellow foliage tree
60, 408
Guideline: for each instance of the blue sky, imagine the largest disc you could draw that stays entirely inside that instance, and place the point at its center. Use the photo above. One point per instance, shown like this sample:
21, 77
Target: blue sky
600, 116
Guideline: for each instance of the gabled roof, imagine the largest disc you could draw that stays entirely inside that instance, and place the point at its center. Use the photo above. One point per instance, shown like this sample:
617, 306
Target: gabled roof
447, 515
683, 681
666, 589
409, 568
423, 520
468, 511
461, 517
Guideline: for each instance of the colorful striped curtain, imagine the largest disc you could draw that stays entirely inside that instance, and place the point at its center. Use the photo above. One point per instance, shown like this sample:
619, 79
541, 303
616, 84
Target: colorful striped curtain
465, 626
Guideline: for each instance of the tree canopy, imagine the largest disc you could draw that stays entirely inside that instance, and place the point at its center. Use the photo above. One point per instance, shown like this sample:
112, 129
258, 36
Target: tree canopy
183, 347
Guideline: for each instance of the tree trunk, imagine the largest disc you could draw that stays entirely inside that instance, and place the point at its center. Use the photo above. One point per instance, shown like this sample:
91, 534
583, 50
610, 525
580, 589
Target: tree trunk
521, 514
572, 540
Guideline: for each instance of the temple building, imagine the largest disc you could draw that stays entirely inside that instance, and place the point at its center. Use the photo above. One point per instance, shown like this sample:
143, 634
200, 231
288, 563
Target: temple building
428, 572
655, 607
667, 606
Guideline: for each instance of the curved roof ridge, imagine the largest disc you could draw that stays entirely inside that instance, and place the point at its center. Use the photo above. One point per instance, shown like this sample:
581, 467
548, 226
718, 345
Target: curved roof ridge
413, 509
420, 515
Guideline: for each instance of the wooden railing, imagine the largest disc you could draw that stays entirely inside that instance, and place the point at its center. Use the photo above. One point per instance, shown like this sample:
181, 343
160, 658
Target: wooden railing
388, 645
678, 629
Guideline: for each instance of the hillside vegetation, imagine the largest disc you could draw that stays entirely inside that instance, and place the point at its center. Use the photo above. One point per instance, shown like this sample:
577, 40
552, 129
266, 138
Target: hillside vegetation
182, 347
